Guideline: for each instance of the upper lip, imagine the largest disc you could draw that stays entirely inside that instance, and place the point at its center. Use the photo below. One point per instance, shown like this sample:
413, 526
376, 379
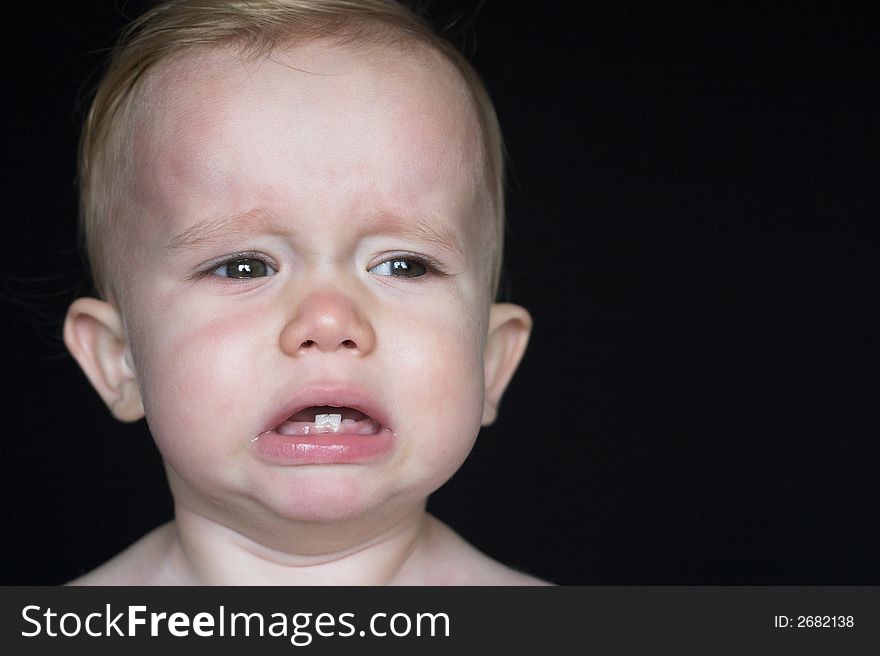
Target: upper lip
340, 396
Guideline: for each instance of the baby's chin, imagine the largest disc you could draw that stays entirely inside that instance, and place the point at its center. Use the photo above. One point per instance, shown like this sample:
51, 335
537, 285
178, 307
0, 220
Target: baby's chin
328, 497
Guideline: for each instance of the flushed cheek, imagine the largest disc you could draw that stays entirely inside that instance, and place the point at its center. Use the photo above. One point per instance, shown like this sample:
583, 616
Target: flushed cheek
199, 384
440, 392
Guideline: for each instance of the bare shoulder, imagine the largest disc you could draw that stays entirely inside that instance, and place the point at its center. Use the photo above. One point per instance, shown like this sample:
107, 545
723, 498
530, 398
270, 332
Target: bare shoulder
139, 564
454, 561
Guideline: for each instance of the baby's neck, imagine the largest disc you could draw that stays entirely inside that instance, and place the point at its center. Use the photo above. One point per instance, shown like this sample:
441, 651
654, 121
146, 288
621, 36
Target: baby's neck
205, 552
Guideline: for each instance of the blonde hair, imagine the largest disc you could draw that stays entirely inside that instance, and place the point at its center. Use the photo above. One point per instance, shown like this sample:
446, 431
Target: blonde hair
258, 26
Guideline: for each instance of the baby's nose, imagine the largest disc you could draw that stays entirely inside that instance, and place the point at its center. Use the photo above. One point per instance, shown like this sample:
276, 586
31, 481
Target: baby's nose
327, 322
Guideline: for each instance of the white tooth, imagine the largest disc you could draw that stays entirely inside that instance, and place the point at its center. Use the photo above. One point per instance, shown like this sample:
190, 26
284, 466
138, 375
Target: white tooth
328, 421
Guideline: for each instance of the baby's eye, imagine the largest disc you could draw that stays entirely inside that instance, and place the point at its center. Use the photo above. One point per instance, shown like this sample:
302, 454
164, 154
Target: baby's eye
401, 267
244, 267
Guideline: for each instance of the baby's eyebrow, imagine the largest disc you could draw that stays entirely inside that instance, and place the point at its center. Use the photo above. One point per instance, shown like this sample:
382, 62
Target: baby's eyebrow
416, 226
237, 225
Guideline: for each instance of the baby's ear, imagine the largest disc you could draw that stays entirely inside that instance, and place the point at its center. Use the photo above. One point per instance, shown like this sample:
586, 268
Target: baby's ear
509, 329
94, 335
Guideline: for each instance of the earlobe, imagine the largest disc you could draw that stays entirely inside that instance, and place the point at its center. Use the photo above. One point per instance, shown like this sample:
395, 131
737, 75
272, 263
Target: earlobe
509, 329
95, 337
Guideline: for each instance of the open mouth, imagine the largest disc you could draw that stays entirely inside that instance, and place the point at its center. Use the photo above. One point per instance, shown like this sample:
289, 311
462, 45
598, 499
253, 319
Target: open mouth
324, 419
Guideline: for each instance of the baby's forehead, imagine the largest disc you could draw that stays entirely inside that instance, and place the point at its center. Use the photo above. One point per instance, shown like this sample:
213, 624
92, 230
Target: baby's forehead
419, 71
190, 99
210, 119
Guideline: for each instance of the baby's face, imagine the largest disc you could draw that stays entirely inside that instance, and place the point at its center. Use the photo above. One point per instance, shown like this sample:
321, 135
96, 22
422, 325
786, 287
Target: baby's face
308, 235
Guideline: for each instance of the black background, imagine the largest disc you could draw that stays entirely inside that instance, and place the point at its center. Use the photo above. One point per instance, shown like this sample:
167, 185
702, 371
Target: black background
693, 224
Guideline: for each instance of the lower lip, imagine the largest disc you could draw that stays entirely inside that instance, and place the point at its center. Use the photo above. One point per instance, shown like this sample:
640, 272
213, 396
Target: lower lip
325, 449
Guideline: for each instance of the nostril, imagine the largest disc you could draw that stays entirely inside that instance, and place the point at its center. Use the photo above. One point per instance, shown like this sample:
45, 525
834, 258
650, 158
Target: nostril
308, 343
349, 344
